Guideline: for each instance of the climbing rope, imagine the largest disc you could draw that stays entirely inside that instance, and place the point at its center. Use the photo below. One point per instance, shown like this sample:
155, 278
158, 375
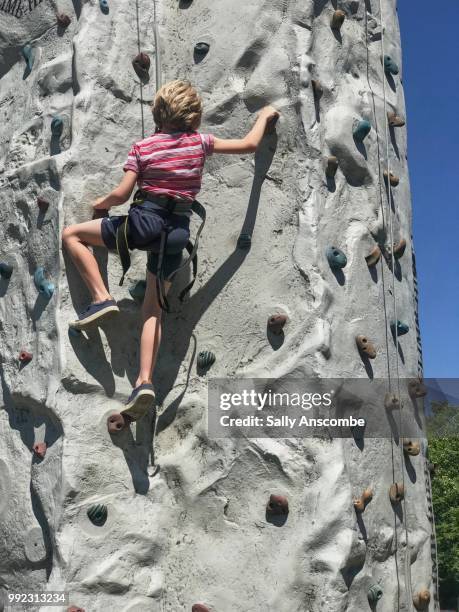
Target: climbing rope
140, 80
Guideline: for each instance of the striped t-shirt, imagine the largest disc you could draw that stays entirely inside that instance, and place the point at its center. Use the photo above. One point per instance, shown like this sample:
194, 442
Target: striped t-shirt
171, 164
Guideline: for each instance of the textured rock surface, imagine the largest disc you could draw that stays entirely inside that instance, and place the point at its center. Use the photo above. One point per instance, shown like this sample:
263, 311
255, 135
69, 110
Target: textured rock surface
195, 530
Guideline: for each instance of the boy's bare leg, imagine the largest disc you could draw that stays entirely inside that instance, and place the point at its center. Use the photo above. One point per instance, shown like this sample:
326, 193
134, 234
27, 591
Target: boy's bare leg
76, 239
151, 330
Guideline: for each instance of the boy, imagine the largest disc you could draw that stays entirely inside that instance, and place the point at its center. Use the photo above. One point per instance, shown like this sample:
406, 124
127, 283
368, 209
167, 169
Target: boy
166, 166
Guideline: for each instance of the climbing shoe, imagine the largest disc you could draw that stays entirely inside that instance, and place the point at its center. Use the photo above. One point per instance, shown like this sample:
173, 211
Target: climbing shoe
94, 312
139, 401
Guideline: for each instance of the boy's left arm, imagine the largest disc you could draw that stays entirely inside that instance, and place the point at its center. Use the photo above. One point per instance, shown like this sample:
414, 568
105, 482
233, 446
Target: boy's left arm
120, 194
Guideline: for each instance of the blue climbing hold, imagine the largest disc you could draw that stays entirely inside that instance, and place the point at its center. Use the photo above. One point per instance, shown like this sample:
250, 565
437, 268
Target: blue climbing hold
74, 332
399, 327
97, 514
57, 126
205, 359
44, 287
390, 67
201, 49
104, 6
361, 130
6, 270
28, 55
137, 290
336, 258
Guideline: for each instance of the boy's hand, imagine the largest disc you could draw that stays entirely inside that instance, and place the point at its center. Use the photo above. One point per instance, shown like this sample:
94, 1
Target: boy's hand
269, 113
100, 204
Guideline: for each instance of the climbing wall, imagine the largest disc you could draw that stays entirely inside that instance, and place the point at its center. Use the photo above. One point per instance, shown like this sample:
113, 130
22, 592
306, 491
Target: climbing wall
161, 517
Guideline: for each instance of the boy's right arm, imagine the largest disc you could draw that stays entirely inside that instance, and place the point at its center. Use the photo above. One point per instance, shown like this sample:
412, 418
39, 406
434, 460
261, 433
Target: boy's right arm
250, 142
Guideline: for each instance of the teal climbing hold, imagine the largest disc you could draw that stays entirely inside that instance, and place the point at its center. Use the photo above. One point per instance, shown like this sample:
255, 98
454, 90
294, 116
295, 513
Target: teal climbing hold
390, 67
361, 130
336, 258
6, 270
104, 6
74, 332
375, 593
206, 359
28, 55
57, 126
137, 290
244, 241
44, 287
97, 514
399, 327
201, 49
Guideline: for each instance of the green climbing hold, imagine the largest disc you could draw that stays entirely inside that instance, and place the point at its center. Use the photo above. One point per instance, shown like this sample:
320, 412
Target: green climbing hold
137, 290
206, 359
104, 6
390, 67
201, 49
361, 130
375, 593
97, 514
44, 287
28, 55
6, 270
399, 327
336, 258
57, 126
244, 241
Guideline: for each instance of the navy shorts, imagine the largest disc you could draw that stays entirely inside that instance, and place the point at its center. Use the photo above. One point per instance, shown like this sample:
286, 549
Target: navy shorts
145, 226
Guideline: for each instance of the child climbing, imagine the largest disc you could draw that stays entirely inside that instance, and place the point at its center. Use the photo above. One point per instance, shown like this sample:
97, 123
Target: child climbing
167, 168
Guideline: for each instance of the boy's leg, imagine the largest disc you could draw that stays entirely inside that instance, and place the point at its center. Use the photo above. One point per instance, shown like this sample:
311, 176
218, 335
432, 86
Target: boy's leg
151, 330
76, 239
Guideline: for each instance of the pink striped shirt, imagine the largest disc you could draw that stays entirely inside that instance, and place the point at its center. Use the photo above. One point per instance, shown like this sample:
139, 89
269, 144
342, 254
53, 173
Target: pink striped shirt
171, 164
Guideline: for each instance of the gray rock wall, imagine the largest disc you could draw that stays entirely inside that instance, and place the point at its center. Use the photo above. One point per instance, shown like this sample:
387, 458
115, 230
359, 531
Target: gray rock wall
194, 529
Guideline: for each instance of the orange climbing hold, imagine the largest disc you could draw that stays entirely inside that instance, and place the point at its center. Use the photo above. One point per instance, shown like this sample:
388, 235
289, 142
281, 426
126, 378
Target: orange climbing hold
399, 248
365, 347
360, 503
277, 505
39, 448
421, 600
416, 388
337, 19
276, 323
373, 257
199, 608
395, 120
392, 402
397, 492
394, 180
411, 448
75, 609
63, 20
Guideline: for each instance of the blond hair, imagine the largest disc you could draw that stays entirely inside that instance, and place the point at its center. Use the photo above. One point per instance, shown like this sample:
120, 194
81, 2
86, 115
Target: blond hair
177, 105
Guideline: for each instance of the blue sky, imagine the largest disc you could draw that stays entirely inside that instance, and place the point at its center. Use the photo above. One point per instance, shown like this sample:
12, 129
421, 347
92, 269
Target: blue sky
430, 79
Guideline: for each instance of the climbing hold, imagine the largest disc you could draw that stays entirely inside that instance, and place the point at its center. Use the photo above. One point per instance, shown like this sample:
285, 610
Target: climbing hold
336, 258
104, 6
375, 593
411, 448
390, 67
115, 423
431, 467
317, 88
201, 49
392, 402
205, 359
44, 287
244, 241
97, 514
39, 448
396, 492
63, 20
421, 600
332, 166
6, 270
360, 503
361, 130
416, 388
276, 323
395, 120
365, 346
137, 290
75, 609
373, 257
42, 204
399, 248
25, 357
57, 126
399, 328
28, 55
394, 180
337, 19
74, 332
277, 505
199, 608
141, 64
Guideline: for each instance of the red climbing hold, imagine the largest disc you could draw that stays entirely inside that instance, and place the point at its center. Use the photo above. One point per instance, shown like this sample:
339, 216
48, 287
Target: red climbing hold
63, 20
39, 448
115, 423
42, 204
277, 505
75, 609
373, 257
141, 65
361, 502
276, 323
337, 19
199, 608
25, 357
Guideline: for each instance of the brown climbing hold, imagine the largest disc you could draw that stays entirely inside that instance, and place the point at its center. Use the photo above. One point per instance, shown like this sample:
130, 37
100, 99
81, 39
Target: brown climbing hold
39, 448
392, 402
337, 19
75, 609
115, 423
365, 346
421, 600
394, 180
361, 502
373, 257
141, 64
395, 120
399, 248
276, 323
42, 204
416, 388
277, 505
317, 88
411, 448
396, 492
25, 357
332, 166
63, 20
199, 608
